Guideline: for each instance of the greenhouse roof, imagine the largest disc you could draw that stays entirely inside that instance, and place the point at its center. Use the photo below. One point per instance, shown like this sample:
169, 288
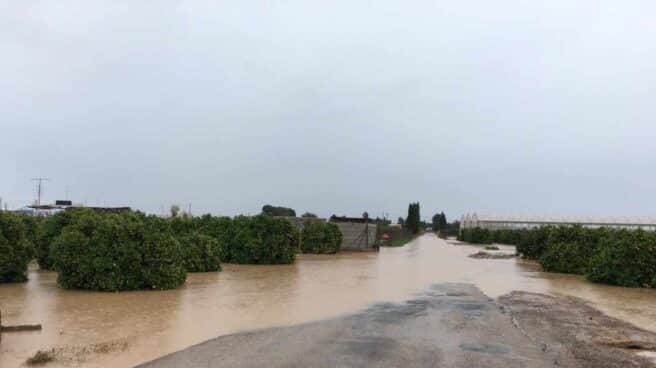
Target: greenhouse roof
609, 220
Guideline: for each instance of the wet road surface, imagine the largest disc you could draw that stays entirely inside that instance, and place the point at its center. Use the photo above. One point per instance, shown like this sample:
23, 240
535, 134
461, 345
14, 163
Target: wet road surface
449, 326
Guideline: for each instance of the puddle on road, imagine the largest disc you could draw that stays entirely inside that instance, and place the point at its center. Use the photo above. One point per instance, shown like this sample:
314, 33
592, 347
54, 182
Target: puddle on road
147, 325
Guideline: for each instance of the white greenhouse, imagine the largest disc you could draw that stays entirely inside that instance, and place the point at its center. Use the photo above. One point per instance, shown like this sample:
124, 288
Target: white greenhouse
496, 222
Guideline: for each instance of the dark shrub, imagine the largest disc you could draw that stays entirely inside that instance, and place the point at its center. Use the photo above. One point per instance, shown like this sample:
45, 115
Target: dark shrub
32, 231
570, 248
320, 237
201, 253
565, 258
626, 259
50, 229
533, 242
260, 239
15, 248
220, 229
183, 225
117, 252
506, 236
477, 236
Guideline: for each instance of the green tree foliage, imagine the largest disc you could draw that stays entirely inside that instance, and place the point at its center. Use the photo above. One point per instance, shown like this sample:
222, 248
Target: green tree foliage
401, 221
219, 228
260, 239
565, 258
15, 248
570, 248
413, 221
201, 253
278, 211
618, 257
32, 230
625, 258
50, 229
532, 243
184, 225
506, 236
321, 237
116, 252
477, 236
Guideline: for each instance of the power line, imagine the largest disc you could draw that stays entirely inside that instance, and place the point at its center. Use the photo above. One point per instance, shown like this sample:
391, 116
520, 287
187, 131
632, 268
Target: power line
39, 188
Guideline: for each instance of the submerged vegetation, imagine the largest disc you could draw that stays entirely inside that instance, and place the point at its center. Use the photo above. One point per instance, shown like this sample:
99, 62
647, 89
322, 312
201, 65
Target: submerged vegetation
16, 250
130, 251
51, 228
259, 239
611, 256
200, 253
41, 357
127, 251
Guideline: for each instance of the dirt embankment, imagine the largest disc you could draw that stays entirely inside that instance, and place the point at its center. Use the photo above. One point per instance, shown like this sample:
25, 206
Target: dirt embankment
571, 333
449, 326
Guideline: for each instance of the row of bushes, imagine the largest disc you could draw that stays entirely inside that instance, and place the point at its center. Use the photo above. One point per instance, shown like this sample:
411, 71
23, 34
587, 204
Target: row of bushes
476, 236
128, 251
117, 252
134, 251
612, 256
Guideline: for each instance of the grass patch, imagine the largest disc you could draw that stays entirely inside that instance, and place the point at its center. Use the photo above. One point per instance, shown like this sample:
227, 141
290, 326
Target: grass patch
397, 242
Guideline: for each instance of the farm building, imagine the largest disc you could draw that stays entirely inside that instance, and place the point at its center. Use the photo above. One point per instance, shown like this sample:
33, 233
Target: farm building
359, 233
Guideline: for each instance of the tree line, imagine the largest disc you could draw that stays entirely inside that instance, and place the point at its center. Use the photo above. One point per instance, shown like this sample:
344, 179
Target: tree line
132, 250
612, 256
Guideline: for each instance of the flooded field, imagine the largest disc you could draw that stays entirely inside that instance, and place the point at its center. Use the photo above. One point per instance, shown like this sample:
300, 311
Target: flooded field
124, 329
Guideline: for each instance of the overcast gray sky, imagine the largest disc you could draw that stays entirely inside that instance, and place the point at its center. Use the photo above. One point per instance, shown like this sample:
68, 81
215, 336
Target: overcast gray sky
332, 106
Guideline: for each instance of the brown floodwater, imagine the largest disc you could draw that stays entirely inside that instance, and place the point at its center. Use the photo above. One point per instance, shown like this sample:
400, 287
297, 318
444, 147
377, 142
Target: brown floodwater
123, 329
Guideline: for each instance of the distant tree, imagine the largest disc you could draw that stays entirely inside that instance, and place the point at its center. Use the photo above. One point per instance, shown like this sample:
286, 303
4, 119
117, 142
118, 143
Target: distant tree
436, 222
413, 222
309, 214
278, 211
439, 222
175, 210
401, 221
365, 215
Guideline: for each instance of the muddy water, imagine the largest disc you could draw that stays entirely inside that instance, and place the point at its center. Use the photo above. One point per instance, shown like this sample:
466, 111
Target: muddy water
124, 329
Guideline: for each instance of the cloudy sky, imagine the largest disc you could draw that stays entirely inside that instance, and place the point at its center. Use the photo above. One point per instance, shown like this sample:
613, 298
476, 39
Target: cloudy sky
538, 107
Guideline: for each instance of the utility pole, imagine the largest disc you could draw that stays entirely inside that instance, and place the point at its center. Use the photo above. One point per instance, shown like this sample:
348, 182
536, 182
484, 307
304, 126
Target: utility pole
39, 188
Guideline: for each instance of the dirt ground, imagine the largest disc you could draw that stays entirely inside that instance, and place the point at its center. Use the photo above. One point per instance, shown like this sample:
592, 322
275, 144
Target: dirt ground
451, 325
573, 334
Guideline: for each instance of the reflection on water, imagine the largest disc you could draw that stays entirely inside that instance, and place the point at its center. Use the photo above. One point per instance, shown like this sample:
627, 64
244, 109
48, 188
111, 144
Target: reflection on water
152, 324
